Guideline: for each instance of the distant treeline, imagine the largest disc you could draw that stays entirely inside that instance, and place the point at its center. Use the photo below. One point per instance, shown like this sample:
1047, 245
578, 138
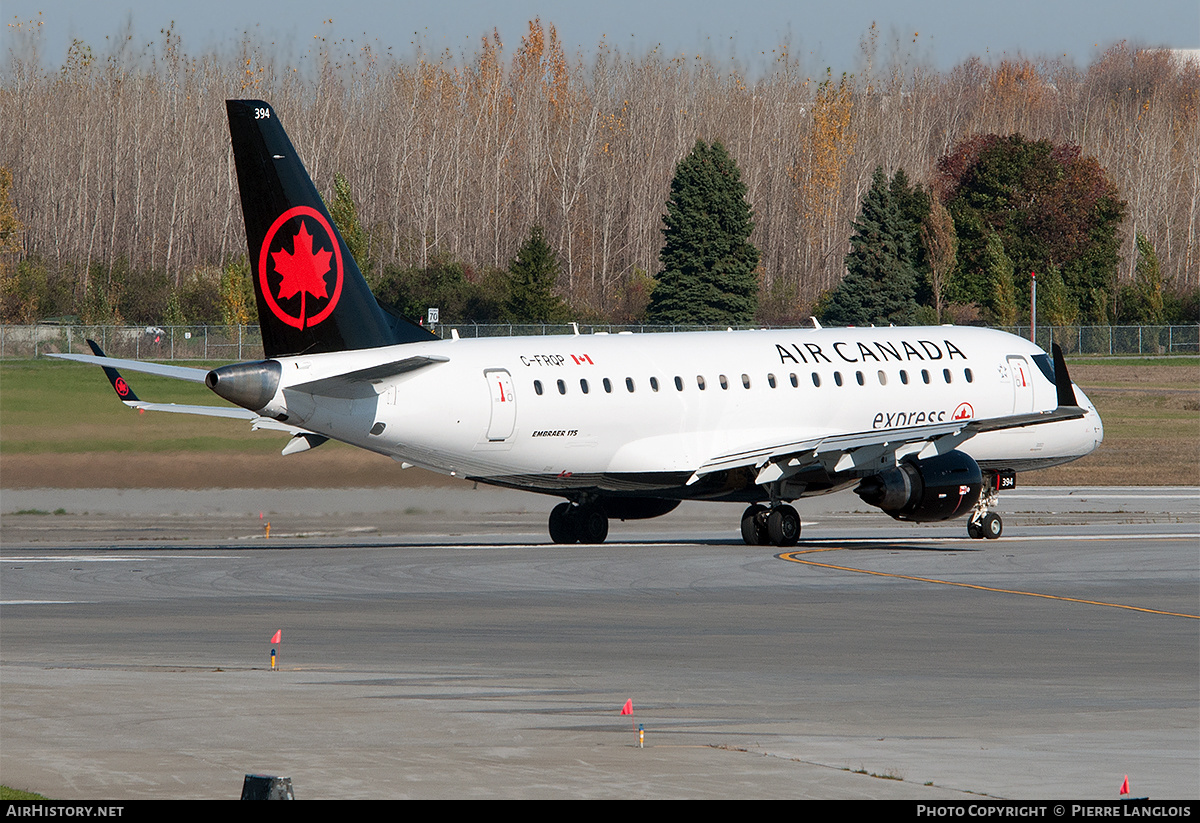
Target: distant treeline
124, 198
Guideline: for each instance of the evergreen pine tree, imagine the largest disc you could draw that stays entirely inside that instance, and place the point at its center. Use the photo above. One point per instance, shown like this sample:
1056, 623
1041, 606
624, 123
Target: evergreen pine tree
1148, 282
237, 293
707, 261
1055, 306
914, 204
880, 283
345, 216
533, 274
1002, 301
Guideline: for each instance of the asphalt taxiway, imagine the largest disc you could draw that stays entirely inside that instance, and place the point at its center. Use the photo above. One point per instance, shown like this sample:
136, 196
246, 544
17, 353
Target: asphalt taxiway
436, 645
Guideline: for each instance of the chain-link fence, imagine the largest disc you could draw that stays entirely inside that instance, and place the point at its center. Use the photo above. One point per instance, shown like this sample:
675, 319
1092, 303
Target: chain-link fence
224, 343
239, 343
1116, 339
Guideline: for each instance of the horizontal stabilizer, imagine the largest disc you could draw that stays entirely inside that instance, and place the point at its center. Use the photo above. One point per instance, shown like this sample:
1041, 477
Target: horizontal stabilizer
161, 369
205, 411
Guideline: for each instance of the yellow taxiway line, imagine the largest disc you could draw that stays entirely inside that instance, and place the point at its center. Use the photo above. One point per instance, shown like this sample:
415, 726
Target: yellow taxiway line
794, 558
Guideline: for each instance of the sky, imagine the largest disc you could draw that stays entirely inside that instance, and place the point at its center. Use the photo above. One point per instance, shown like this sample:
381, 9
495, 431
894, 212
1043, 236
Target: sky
820, 34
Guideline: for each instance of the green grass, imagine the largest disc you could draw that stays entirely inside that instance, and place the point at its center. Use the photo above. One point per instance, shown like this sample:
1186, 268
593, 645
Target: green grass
7, 793
54, 407
1181, 360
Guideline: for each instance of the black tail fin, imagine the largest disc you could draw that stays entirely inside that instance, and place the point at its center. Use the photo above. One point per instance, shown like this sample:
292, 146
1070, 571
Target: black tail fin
114, 377
311, 296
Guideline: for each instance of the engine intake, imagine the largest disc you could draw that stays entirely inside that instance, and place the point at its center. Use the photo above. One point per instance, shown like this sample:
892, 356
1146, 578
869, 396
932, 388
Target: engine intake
937, 488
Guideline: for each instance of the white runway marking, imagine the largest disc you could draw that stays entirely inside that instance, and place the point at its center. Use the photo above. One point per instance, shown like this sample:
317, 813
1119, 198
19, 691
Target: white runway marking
1091, 496
79, 558
37, 602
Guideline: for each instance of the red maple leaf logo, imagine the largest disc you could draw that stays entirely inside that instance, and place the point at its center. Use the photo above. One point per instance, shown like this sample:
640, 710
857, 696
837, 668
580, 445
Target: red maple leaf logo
302, 270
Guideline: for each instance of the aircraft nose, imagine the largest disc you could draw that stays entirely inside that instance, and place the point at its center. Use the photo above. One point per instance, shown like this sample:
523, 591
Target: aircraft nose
1095, 426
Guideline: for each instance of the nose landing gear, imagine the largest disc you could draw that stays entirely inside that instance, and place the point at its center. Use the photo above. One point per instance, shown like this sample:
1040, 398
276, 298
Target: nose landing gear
984, 523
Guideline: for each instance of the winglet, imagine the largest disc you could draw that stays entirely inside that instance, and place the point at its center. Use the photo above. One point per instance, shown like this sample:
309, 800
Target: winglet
1062, 380
114, 377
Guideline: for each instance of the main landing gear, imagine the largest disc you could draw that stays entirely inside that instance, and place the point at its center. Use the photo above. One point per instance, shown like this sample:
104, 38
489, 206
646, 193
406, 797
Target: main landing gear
571, 523
775, 526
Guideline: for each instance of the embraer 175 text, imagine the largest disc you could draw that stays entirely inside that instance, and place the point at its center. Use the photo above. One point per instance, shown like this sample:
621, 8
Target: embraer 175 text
927, 423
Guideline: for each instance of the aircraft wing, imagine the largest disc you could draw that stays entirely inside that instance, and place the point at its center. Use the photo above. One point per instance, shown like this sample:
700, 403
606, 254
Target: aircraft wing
774, 460
878, 447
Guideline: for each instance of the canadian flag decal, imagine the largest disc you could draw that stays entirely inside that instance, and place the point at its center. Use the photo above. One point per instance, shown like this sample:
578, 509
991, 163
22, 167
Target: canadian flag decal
580, 359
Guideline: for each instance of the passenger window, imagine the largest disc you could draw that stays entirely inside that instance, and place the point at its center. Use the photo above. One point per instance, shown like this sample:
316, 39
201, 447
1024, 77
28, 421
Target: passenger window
537, 387
583, 386
562, 387
678, 383
700, 381
967, 374
816, 380
721, 379
653, 384
746, 381
904, 377
946, 374
608, 385
882, 378
925, 376
771, 380
795, 380
837, 378
629, 384
859, 377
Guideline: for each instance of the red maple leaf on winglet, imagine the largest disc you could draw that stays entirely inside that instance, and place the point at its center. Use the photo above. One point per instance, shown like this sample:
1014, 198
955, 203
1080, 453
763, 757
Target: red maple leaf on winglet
302, 270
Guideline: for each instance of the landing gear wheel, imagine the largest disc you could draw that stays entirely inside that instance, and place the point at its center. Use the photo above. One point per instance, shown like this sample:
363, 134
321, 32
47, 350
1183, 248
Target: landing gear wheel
754, 531
783, 526
991, 526
974, 530
592, 524
564, 527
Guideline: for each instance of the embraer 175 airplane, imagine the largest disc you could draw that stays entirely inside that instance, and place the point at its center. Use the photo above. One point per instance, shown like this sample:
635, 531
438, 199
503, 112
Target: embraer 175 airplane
927, 423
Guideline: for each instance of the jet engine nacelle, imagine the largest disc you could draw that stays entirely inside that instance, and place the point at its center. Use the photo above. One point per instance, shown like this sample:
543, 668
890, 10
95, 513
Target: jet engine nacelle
937, 488
249, 385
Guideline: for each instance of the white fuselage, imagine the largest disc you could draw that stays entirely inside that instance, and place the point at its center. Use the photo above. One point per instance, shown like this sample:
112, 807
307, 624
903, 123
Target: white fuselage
626, 413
